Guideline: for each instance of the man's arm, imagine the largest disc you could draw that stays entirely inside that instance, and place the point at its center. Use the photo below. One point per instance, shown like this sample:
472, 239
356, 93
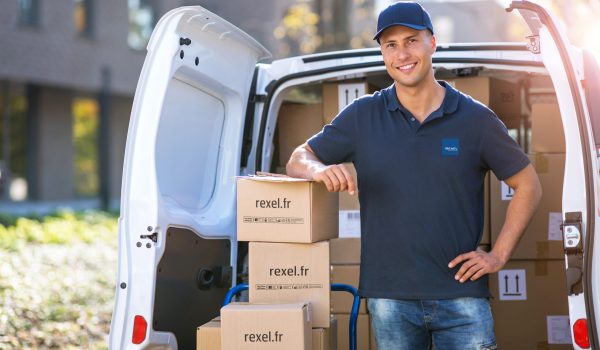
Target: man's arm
528, 193
305, 164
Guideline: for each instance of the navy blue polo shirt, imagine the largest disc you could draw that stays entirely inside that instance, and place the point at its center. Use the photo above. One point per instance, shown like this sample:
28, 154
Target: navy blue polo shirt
420, 188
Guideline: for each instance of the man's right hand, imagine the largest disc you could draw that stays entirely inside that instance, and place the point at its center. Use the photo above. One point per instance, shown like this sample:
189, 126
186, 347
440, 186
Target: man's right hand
336, 178
306, 165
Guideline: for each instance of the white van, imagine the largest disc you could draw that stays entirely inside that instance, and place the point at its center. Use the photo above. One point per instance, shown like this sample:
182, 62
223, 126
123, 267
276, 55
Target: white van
205, 112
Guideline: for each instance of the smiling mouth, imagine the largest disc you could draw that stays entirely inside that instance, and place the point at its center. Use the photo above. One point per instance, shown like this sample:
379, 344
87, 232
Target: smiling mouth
406, 68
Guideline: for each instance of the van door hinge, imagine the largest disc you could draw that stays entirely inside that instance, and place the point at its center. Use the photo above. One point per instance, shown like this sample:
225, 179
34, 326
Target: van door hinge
534, 44
573, 246
258, 98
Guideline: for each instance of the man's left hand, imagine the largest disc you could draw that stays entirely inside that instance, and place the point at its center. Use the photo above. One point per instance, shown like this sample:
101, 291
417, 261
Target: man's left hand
476, 264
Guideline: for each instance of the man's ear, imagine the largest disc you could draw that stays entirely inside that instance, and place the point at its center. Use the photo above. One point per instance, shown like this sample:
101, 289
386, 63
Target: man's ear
433, 42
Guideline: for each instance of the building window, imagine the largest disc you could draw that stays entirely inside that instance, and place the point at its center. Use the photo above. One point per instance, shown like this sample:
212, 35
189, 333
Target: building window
141, 23
13, 144
83, 17
85, 141
29, 12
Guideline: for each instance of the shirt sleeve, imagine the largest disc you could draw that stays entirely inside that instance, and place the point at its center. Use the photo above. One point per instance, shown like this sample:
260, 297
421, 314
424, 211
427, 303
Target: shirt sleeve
336, 142
499, 152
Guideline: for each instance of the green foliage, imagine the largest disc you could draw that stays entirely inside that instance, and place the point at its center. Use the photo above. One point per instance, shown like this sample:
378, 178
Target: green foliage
57, 280
63, 227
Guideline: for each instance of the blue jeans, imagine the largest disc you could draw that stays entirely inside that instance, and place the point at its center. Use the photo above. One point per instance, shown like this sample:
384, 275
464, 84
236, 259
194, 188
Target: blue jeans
445, 324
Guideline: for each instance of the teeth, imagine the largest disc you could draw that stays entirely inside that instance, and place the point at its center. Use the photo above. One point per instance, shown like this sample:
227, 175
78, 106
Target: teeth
408, 66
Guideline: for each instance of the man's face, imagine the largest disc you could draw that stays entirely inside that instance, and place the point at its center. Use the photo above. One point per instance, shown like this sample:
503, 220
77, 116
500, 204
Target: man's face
407, 54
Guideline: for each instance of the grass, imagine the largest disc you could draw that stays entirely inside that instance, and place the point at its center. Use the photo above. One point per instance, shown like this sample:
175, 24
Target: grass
57, 280
64, 227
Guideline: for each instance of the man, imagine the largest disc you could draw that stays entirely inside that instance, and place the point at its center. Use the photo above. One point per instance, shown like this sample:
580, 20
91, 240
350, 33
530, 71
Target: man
421, 151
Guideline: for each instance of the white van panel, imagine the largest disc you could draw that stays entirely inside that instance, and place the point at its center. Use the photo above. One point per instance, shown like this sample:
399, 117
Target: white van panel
187, 145
574, 186
182, 153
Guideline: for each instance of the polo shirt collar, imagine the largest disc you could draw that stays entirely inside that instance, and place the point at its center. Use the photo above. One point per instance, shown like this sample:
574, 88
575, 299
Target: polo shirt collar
449, 105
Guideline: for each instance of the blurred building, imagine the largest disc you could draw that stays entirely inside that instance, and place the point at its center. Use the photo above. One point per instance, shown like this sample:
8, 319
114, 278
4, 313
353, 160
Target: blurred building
68, 72
69, 69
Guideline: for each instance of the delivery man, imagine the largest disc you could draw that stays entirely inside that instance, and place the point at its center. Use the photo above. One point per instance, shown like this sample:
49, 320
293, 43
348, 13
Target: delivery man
421, 150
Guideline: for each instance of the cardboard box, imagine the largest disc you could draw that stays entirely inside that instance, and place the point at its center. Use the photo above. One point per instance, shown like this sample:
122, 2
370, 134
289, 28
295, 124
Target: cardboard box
362, 331
285, 209
347, 201
266, 326
547, 134
543, 238
336, 96
325, 338
341, 302
296, 123
208, 336
502, 97
530, 305
344, 251
287, 272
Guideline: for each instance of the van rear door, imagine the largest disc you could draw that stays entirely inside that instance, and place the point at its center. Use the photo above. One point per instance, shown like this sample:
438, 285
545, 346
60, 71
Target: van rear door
177, 247
580, 198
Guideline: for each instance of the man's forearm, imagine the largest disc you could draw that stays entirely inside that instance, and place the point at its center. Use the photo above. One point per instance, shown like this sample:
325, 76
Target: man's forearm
303, 163
520, 211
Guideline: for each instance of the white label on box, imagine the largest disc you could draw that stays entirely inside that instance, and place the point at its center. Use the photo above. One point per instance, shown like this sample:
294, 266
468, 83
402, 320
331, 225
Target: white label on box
559, 329
554, 222
507, 192
512, 285
348, 93
349, 223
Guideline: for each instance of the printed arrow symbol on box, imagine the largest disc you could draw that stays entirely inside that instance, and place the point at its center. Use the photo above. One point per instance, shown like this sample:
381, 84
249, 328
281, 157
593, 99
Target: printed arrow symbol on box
505, 284
517, 280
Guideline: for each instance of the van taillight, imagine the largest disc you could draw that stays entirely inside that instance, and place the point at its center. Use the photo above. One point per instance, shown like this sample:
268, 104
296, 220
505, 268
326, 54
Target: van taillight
139, 329
580, 333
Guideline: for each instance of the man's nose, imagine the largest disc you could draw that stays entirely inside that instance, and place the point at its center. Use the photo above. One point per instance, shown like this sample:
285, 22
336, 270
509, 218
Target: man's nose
402, 54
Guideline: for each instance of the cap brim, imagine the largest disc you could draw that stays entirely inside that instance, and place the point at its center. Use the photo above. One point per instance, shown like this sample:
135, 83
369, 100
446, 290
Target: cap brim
413, 26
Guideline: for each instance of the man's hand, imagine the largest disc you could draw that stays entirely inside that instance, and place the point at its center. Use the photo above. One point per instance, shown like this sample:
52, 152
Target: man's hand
304, 164
336, 178
476, 264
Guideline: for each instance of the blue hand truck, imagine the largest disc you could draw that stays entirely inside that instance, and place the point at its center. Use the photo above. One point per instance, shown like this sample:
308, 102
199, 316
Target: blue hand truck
336, 287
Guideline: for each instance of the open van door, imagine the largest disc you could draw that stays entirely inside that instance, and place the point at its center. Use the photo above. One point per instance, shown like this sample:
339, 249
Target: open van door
580, 200
177, 247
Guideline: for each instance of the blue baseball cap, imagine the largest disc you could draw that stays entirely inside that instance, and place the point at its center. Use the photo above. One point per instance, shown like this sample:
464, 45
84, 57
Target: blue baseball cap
403, 13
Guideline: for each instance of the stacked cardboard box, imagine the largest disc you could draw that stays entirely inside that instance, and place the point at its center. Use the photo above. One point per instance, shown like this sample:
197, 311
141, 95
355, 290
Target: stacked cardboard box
531, 287
345, 268
209, 336
288, 223
501, 96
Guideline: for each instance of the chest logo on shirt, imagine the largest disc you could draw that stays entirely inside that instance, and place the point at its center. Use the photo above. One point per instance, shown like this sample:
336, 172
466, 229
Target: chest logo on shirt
450, 147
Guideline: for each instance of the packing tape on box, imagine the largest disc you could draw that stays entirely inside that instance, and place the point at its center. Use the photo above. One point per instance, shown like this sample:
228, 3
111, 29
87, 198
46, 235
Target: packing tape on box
541, 163
542, 249
541, 268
